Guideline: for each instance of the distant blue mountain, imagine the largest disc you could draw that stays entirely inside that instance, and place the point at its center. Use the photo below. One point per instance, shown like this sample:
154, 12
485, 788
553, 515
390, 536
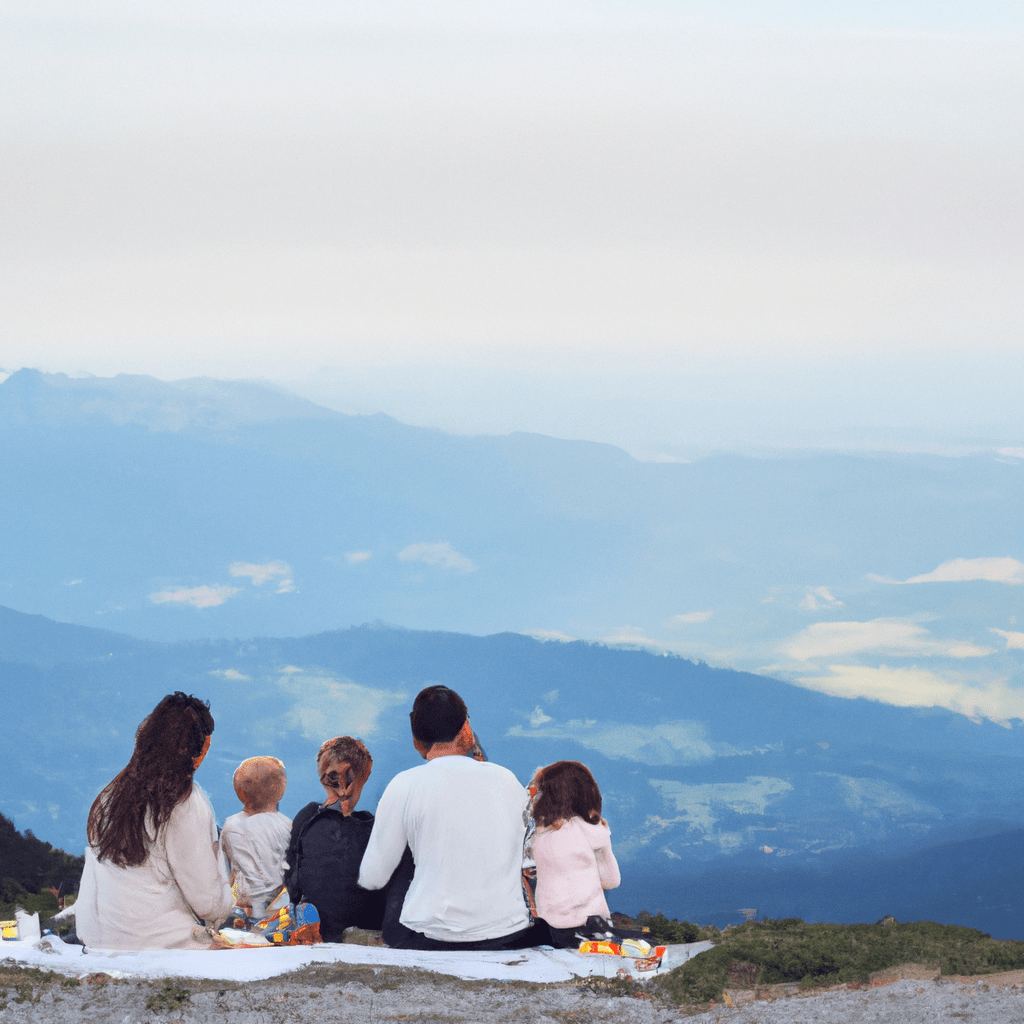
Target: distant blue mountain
213, 508
974, 883
41, 641
723, 789
173, 512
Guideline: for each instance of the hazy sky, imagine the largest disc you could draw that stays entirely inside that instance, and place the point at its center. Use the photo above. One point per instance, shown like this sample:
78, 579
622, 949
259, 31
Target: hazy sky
667, 225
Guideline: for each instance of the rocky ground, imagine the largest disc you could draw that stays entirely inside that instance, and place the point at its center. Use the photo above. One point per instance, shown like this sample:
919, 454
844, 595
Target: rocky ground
367, 995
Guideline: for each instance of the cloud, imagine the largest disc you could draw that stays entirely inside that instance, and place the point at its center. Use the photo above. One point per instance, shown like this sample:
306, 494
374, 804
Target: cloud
260, 574
819, 597
326, 706
634, 636
870, 797
679, 742
688, 618
1014, 641
198, 597
443, 555
72, 583
537, 717
964, 570
892, 637
918, 687
551, 634
354, 557
230, 673
701, 805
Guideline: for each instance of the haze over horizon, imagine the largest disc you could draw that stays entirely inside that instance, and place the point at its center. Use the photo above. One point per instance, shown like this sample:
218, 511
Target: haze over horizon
675, 228
679, 229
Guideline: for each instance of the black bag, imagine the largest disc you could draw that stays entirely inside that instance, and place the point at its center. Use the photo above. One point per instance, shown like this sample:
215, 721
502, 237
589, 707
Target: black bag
324, 870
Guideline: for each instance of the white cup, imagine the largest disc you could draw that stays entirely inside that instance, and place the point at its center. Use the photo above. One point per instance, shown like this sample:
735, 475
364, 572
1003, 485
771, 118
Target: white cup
28, 926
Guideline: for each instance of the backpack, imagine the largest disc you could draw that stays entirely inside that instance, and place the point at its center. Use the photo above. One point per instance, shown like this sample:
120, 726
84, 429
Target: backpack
328, 851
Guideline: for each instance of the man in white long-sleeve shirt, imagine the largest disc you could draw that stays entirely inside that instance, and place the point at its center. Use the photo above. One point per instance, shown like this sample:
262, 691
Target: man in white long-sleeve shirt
463, 822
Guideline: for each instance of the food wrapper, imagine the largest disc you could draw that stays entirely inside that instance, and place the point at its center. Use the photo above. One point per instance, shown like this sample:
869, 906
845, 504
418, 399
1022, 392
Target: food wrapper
647, 963
237, 938
600, 946
292, 925
238, 919
636, 947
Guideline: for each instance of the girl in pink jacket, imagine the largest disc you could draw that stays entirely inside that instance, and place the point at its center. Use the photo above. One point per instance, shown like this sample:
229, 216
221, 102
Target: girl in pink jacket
573, 851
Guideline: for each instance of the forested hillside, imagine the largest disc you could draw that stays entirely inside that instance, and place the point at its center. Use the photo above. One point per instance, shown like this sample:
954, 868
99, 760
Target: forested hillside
29, 866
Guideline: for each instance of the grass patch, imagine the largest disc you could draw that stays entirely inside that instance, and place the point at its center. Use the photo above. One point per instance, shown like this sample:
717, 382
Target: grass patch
772, 952
171, 997
617, 988
20, 984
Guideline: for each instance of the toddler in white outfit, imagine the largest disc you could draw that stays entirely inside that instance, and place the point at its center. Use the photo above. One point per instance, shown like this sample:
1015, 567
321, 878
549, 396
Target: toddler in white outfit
255, 840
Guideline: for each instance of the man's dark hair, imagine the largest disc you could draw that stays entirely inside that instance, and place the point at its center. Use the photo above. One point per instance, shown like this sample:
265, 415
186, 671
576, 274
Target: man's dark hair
437, 715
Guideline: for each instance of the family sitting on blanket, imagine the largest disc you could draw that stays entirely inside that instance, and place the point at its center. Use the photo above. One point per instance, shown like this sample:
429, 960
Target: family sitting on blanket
440, 867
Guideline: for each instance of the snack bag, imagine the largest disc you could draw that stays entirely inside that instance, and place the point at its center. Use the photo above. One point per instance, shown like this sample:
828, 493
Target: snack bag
636, 947
600, 946
279, 902
295, 924
239, 920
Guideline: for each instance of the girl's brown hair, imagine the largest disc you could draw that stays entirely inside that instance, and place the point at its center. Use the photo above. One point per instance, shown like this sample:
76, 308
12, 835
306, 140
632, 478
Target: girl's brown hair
349, 750
567, 790
129, 813
343, 750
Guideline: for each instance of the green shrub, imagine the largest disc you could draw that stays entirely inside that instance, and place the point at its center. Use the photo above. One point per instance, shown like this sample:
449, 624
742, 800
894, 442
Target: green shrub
770, 952
664, 931
44, 903
31, 864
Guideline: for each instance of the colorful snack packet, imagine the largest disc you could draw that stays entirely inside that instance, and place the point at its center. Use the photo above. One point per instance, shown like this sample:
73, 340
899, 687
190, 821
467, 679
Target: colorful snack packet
600, 946
636, 947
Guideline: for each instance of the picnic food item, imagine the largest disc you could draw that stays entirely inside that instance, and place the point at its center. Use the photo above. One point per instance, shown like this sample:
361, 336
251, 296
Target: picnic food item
643, 957
647, 963
296, 924
636, 947
600, 946
238, 919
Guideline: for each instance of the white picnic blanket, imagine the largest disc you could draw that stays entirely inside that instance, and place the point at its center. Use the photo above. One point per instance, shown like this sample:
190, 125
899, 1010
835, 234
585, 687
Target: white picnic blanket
536, 965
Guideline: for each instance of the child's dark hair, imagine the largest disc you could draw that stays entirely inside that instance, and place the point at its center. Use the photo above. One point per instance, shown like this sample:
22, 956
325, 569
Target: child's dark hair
567, 790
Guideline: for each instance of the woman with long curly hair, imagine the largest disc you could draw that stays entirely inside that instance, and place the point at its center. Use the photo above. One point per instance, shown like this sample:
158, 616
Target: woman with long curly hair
153, 876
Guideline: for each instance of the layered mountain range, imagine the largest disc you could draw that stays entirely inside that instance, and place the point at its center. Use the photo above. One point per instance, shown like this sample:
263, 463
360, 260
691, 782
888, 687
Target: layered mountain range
217, 508
723, 789
172, 513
